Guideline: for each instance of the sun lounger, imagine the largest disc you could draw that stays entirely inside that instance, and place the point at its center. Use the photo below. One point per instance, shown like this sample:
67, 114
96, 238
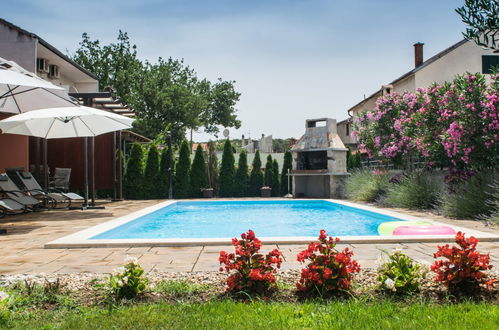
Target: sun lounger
27, 182
10, 206
12, 191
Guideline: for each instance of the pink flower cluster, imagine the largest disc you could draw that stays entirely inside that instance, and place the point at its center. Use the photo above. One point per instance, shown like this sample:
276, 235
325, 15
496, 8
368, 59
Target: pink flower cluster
454, 125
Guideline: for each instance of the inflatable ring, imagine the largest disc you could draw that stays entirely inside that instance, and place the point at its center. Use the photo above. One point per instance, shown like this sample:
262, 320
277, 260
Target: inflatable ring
387, 228
424, 230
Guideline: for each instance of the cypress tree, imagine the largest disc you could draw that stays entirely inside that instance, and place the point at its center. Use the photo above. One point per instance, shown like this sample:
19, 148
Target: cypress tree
358, 159
182, 188
242, 179
133, 180
164, 175
350, 160
199, 174
212, 167
256, 177
276, 189
268, 172
227, 171
151, 174
288, 164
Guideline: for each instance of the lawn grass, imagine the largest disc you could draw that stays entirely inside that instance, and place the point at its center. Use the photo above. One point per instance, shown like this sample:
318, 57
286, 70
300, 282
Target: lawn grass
228, 314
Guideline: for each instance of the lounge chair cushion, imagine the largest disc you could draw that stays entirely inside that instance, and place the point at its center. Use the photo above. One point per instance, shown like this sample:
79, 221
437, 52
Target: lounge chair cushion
10, 204
25, 175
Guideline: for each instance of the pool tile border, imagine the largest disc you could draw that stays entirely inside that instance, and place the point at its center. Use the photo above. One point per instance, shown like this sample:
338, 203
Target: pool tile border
81, 239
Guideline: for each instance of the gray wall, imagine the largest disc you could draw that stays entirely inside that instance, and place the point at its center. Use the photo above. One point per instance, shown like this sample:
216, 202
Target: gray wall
17, 47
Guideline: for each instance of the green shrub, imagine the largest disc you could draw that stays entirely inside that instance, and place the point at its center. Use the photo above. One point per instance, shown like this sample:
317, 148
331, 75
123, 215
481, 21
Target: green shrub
182, 187
227, 171
268, 172
152, 186
417, 190
164, 174
242, 177
276, 189
199, 176
400, 274
256, 176
468, 199
493, 203
364, 185
128, 281
133, 181
212, 167
288, 164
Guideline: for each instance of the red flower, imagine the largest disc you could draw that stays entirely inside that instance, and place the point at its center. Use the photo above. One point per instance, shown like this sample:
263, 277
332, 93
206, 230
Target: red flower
464, 265
252, 271
327, 270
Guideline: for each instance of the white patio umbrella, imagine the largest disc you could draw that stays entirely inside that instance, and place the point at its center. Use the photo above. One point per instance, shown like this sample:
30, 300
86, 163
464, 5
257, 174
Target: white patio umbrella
66, 122
22, 91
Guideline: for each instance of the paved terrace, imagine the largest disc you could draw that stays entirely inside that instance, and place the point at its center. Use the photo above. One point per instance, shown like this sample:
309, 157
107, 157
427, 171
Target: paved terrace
22, 249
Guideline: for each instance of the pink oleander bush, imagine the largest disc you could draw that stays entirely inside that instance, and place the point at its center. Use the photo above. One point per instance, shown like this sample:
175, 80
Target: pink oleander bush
453, 125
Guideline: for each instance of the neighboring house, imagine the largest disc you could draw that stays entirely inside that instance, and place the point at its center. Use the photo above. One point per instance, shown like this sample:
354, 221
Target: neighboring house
264, 145
464, 56
36, 55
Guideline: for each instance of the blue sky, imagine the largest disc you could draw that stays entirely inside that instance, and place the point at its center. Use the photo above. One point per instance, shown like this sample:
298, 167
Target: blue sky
291, 60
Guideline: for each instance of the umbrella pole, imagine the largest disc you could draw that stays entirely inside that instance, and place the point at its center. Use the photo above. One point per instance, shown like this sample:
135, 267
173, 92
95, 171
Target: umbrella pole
85, 170
45, 165
86, 205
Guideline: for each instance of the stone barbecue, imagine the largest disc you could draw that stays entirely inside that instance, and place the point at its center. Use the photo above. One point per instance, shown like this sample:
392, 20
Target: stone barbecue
319, 161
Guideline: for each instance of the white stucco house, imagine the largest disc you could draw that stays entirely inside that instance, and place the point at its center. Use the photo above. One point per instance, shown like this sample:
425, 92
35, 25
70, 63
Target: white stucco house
464, 56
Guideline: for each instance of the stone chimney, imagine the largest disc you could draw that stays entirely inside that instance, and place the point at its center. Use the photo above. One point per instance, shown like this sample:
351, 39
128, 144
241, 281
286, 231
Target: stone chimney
418, 54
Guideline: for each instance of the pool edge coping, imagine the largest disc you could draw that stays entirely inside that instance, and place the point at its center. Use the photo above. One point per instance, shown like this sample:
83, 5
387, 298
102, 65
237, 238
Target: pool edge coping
81, 239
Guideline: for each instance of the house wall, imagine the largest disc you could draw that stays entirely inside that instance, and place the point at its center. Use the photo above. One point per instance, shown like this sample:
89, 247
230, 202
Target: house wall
18, 47
13, 150
68, 153
466, 58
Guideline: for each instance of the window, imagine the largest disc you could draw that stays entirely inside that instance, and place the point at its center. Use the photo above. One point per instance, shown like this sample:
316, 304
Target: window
348, 129
489, 62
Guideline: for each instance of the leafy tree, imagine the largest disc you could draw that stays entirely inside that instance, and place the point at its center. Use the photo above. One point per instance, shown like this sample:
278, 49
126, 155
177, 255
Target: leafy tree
133, 181
268, 172
212, 167
288, 165
256, 176
482, 18
182, 187
242, 178
116, 65
164, 174
162, 93
280, 145
227, 171
276, 189
152, 186
199, 174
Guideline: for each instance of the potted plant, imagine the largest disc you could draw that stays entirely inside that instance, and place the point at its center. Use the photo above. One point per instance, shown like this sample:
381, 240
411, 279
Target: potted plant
266, 191
207, 192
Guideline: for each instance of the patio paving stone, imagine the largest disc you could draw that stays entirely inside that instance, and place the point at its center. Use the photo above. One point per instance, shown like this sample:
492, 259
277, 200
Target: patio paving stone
21, 250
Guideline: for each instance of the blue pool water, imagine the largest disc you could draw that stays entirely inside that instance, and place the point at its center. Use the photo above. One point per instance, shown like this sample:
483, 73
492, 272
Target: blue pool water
266, 218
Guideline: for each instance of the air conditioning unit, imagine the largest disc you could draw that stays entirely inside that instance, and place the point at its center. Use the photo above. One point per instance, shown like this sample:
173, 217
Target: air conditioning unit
54, 71
42, 65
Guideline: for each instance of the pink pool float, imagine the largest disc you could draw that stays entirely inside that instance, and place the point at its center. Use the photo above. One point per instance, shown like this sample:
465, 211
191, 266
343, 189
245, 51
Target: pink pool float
424, 230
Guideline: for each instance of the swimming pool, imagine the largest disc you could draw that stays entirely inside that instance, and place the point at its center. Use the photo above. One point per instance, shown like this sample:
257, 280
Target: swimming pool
285, 218
283, 221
